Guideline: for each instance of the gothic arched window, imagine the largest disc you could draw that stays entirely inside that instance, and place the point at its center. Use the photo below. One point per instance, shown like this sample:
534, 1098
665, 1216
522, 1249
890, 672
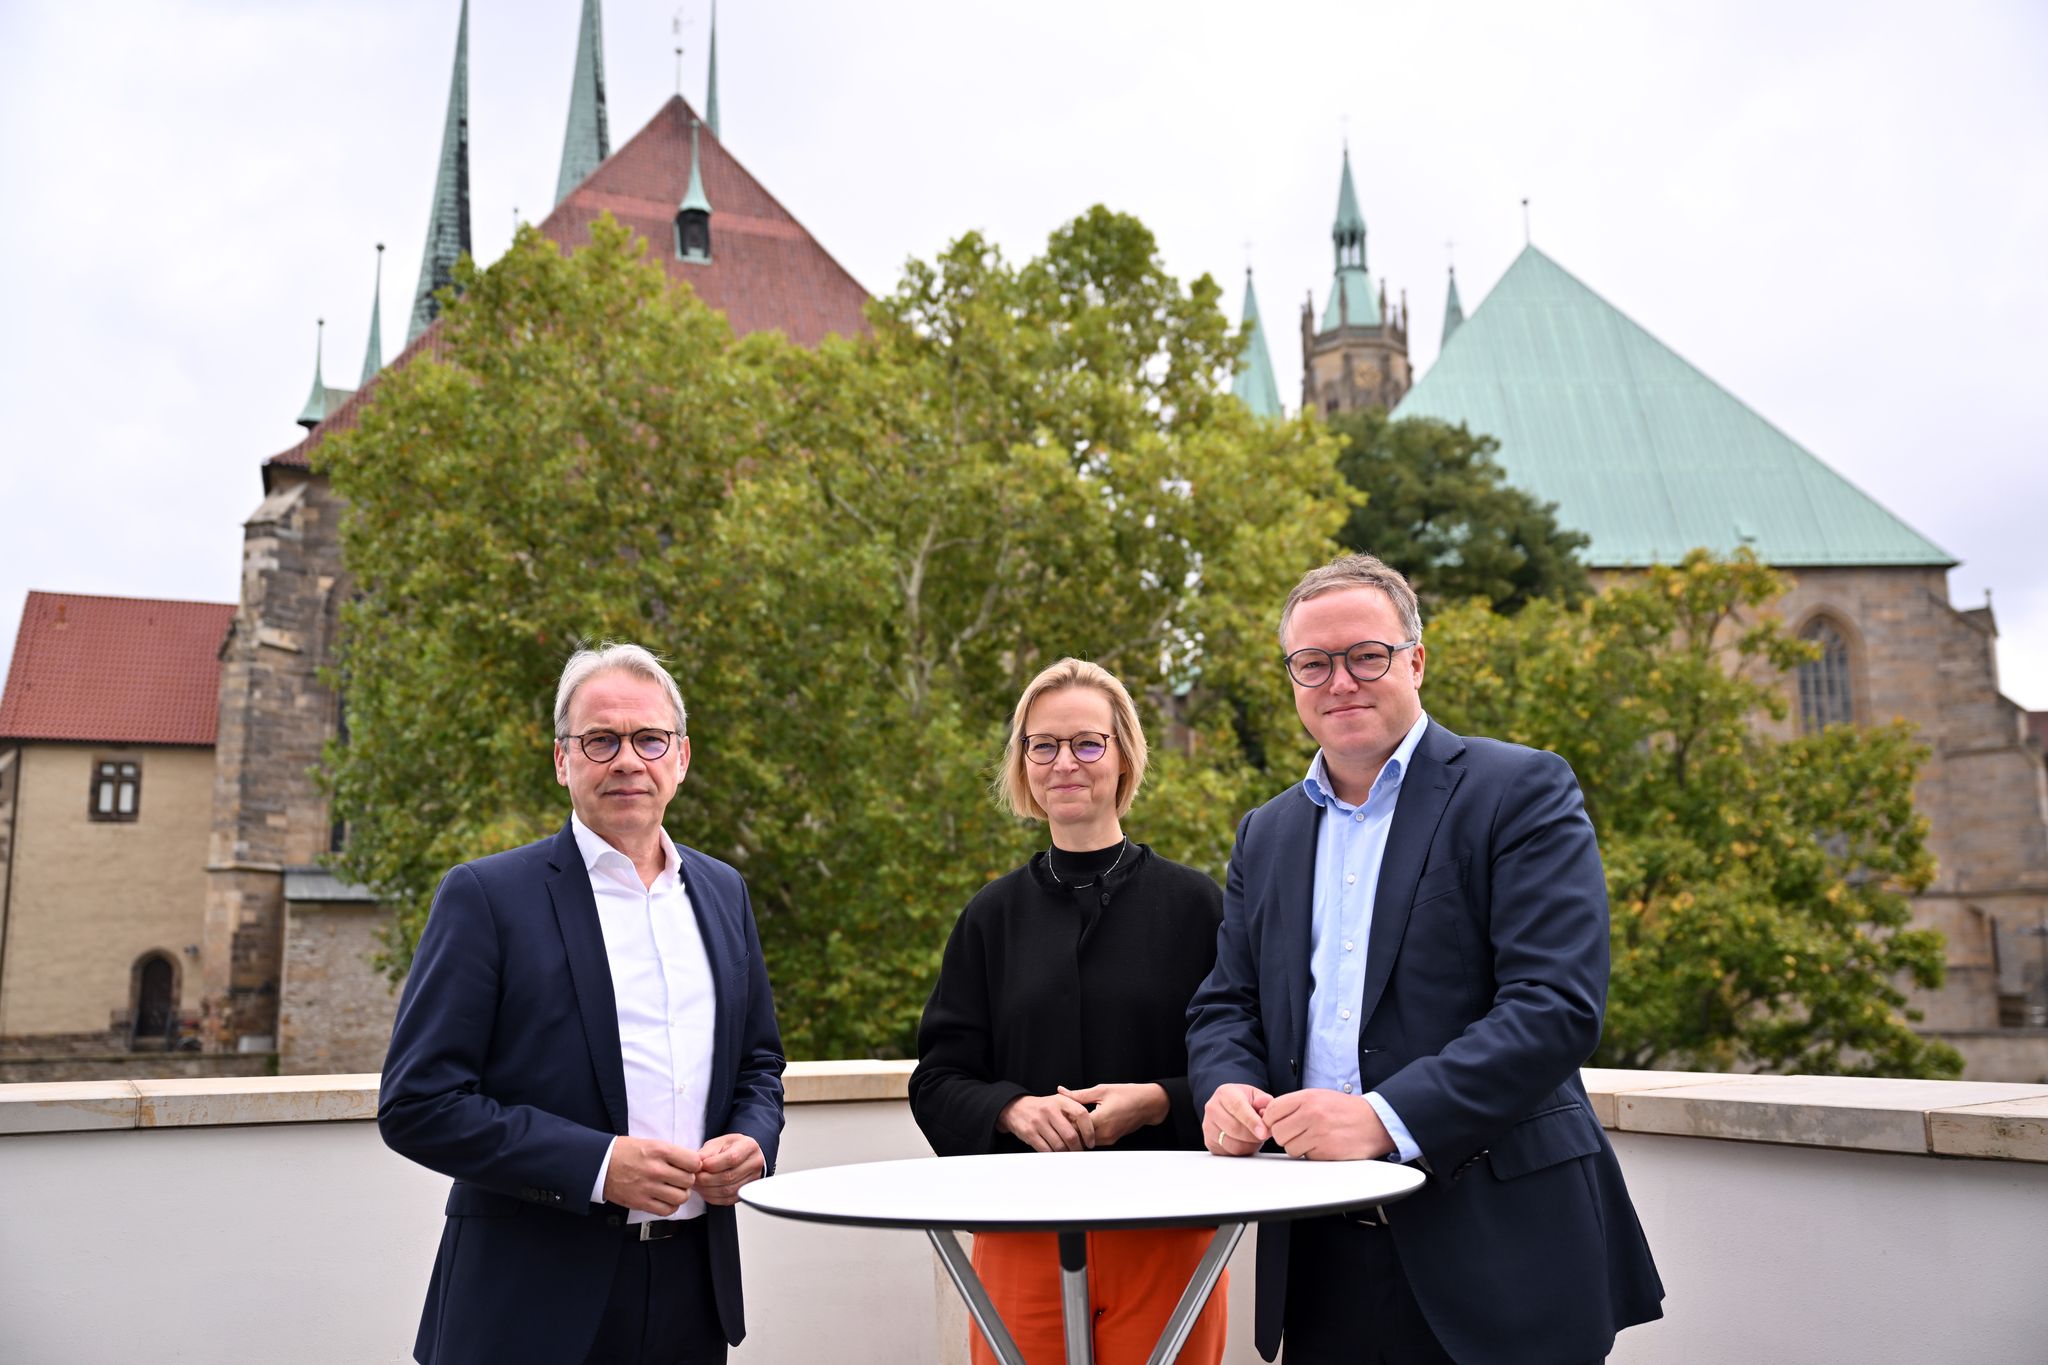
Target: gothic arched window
1824, 694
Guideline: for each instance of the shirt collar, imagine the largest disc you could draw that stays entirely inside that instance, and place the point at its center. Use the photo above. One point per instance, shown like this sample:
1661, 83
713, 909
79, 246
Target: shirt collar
596, 851
1316, 785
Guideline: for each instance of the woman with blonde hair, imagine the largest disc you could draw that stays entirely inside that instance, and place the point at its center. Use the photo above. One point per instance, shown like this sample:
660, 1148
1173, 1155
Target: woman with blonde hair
1059, 1020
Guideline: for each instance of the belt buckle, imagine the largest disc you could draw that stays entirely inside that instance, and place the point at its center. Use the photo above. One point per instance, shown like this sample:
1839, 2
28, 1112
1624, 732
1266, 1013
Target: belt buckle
649, 1232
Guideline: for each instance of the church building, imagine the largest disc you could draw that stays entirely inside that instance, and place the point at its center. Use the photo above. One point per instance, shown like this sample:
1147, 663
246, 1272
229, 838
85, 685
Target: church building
287, 952
1651, 459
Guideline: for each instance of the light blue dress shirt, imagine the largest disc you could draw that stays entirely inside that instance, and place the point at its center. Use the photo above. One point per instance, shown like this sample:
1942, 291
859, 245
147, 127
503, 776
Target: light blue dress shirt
1351, 842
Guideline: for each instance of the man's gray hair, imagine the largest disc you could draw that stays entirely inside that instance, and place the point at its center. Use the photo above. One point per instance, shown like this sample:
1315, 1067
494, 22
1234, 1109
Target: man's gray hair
610, 656
1357, 571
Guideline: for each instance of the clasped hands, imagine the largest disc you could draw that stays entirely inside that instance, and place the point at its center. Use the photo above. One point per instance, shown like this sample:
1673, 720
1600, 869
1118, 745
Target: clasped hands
656, 1177
1076, 1120
1322, 1125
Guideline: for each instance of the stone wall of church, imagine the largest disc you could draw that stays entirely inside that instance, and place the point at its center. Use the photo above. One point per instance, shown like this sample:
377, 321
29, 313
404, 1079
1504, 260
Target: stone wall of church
1355, 368
1984, 788
276, 716
88, 899
336, 1007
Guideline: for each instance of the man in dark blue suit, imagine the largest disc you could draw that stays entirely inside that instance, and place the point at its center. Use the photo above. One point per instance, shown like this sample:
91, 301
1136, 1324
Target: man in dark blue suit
588, 1046
1412, 967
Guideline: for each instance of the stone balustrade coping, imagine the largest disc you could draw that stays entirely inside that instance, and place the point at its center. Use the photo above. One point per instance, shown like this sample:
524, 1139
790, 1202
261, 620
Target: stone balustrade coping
1981, 1120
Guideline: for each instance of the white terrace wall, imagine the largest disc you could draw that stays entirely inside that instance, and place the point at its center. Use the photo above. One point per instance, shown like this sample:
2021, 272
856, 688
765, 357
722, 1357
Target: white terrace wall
1795, 1220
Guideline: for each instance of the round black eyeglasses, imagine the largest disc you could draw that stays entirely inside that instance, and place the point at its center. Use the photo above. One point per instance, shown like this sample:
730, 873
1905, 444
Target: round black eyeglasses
1367, 661
602, 746
1087, 747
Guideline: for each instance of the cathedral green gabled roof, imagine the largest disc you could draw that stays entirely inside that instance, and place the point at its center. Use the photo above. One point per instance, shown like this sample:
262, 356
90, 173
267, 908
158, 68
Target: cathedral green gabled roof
1639, 450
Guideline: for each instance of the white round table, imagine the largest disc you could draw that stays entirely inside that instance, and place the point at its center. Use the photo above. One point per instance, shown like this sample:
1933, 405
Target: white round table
1073, 1194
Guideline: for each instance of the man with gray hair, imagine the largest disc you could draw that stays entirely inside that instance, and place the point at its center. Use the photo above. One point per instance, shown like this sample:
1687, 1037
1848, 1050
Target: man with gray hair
1413, 967
587, 1044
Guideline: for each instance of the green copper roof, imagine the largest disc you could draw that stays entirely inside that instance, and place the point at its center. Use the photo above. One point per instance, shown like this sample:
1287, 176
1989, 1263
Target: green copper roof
321, 400
588, 139
693, 197
1637, 448
448, 221
373, 354
1350, 222
1254, 382
711, 85
1352, 301
1454, 310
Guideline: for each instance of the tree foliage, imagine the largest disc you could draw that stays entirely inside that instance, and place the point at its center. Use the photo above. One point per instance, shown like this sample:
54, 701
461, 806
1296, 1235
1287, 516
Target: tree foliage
1758, 884
855, 557
1439, 507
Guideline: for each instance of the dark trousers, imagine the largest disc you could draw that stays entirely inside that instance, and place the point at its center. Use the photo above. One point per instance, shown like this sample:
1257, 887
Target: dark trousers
1348, 1302
661, 1310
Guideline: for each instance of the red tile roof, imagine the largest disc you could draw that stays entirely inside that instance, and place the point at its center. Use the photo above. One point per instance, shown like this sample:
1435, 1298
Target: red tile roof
766, 273
115, 670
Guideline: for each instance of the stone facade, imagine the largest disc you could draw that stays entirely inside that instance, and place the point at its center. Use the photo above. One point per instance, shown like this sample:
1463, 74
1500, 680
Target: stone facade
336, 1008
276, 716
1983, 789
89, 902
1350, 368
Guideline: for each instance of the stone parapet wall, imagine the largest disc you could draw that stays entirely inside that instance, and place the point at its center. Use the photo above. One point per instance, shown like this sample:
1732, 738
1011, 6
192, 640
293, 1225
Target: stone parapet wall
31, 1068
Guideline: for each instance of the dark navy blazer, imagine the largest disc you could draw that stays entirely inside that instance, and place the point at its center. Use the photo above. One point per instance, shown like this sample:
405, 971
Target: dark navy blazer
505, 1073
1485, 982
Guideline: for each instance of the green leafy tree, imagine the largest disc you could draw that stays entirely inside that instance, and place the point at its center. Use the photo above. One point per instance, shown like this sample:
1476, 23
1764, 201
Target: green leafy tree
1438, 506
855, 557
1758, 885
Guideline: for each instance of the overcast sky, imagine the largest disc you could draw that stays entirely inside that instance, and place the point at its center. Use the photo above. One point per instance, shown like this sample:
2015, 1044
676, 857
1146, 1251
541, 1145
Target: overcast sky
1837, 210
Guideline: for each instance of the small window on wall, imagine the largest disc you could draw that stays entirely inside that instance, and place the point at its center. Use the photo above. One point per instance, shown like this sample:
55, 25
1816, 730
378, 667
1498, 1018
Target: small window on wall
1824, 694
116, 789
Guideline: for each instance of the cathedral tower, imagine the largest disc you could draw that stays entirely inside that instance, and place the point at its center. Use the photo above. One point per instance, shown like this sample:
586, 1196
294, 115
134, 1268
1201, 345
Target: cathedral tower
1358, 357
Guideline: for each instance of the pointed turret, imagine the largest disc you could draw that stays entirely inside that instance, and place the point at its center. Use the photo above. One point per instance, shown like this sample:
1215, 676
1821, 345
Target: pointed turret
1358, 357
1454, 311
448, 221
1351, 295
322, 401
711, 84
1253, 383
693, 215
373, 354
588, 139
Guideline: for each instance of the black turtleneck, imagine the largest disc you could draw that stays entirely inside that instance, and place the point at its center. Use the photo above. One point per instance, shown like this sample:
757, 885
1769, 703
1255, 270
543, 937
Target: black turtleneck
1083, 869
1044, 985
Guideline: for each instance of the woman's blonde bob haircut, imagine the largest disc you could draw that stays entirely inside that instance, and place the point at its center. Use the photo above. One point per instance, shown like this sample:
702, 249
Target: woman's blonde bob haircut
1014, 787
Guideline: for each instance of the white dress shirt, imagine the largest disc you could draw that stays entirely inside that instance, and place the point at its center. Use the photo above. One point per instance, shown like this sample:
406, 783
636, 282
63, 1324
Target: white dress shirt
1351, 844
661, 980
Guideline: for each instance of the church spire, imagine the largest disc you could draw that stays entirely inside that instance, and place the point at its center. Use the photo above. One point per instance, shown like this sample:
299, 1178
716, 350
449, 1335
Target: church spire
1348, 232
1253, 383
373, 354
1454, 311
315, 411
711, 85
448, 221
1352, 302
588, 139
693, 215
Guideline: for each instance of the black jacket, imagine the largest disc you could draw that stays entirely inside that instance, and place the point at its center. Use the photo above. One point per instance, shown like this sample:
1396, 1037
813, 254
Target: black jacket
1043, 986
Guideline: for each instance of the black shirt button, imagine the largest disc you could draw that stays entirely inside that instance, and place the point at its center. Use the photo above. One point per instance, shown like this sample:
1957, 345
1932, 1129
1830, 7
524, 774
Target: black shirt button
1105, 898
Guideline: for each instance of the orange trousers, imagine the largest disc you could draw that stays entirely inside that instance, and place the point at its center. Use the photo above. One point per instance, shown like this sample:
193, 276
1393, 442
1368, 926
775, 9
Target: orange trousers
1135, 1277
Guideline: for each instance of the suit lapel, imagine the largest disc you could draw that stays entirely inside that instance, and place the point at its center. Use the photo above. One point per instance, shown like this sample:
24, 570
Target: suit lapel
1425, 791
590, 971
1294, 904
